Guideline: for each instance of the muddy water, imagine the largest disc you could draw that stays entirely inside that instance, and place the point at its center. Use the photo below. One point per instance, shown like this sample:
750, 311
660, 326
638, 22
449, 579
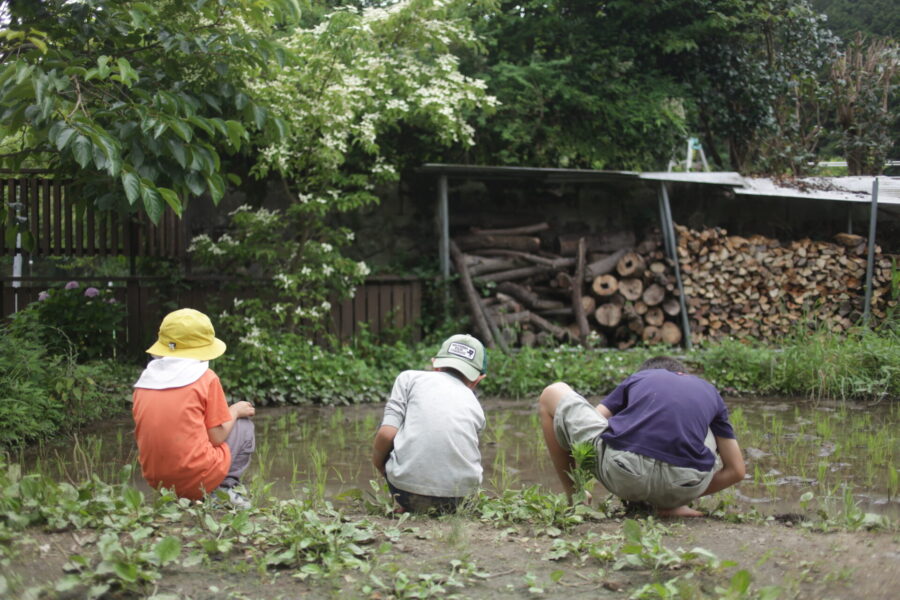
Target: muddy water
791, 447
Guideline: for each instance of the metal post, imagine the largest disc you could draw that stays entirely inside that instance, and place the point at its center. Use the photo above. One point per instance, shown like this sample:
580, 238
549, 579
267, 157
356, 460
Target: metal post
870, 261
444, 224
672, 250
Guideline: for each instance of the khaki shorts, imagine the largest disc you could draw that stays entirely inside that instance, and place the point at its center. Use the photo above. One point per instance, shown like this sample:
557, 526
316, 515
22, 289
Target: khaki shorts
629, 476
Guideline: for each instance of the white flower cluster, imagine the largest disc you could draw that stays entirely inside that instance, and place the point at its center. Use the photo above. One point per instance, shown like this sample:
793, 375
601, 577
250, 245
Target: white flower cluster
283, 281
252, 338
401, 69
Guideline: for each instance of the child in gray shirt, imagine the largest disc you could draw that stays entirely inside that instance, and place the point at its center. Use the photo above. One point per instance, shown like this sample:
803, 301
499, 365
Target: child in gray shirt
427, 444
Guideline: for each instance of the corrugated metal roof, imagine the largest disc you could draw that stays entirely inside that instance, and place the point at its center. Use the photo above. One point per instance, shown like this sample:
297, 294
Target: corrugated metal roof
842, 189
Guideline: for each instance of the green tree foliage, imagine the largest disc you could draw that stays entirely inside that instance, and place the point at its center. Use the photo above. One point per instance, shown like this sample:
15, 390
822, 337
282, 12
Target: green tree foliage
846, 18
863, 81
577, 86
620, 84
360, 80
137, 102
757, 80
361, 77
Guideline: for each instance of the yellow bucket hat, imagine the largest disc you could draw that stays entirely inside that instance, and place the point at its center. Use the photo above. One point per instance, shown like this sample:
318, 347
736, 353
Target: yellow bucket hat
187, 333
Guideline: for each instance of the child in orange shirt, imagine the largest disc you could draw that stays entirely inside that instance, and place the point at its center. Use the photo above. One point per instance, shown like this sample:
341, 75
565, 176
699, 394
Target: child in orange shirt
188, 437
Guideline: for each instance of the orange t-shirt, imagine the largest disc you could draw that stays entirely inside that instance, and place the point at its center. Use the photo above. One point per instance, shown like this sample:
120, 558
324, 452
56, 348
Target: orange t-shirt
171, 433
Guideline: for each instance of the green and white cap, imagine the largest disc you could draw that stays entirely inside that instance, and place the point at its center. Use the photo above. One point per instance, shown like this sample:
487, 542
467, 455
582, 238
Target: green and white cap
464, 353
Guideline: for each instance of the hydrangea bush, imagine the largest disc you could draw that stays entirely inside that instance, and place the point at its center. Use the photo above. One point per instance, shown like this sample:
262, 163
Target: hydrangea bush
75, 320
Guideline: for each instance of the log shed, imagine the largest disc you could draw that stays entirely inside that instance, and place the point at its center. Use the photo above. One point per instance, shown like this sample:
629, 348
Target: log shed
857, 190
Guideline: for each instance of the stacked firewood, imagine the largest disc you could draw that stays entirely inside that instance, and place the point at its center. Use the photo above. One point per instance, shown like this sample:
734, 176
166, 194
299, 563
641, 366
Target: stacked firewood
526, 285
758, 287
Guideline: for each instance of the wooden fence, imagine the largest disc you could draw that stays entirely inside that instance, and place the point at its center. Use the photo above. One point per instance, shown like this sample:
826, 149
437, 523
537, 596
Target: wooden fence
61, 226
383, 305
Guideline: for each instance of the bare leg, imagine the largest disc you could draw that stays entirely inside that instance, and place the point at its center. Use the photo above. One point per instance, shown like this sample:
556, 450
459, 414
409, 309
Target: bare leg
680, 511
562, 460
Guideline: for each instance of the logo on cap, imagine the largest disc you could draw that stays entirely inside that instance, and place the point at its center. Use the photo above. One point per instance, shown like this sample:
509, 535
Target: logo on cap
461, 350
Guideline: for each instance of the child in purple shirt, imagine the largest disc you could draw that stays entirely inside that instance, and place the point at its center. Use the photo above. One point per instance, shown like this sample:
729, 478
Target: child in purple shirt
656, 437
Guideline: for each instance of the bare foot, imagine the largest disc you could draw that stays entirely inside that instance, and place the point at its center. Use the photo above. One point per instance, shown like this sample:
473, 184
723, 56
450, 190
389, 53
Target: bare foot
681, 511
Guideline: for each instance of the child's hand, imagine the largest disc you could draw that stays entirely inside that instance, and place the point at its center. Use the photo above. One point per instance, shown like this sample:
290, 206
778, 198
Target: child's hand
243, 409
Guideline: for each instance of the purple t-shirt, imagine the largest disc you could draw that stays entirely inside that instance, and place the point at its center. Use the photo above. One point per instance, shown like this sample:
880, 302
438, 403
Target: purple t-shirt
665, 415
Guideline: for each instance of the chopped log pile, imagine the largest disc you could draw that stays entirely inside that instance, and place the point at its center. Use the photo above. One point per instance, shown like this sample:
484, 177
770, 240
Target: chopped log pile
761, 288
527, 286
603, 290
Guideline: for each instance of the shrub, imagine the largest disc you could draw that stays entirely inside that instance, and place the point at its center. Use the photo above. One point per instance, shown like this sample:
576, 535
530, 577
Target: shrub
277, 368
73, 319
42, 393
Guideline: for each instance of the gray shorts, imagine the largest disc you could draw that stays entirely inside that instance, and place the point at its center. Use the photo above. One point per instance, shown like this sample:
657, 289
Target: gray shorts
629, 476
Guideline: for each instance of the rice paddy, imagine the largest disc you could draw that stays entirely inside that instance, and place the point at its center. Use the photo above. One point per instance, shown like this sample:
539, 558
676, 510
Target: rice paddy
800, 455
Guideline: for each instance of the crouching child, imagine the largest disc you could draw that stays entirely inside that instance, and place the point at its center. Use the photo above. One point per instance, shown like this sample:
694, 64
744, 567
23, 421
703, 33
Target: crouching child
189, 439
427, 444
656, 437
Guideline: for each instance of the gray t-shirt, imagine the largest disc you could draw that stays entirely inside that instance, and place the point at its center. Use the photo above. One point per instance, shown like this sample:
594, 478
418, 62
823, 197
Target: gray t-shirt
436, 447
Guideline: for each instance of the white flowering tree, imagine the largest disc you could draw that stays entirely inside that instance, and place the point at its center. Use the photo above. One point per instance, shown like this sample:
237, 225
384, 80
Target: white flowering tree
355, 80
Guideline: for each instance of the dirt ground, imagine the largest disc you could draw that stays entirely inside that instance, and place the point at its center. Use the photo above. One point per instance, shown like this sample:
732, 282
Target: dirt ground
511, 563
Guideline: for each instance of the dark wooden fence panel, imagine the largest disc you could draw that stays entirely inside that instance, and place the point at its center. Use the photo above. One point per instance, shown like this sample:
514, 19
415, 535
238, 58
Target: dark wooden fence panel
387, 306
61, 226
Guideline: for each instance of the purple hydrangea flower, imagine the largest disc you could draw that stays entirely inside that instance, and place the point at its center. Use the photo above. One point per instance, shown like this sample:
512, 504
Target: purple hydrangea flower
91, 292
110, 300
43, 295
71, 285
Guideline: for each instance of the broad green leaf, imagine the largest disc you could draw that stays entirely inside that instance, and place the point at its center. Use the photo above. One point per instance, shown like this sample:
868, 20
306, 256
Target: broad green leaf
103, 67
82, 149
632, 531
128, 74
167, 550
203, 123
38, 43
241, 100
23, 71
63, 138
210, 523
126, 571
8, 72
141, 533
133, 497
212, 101
171, 199
181, 129
259, 115
740, 581
195, 183
235, 132
68, 583
153, 203
40, 84
179, 152
216, 187
281, 126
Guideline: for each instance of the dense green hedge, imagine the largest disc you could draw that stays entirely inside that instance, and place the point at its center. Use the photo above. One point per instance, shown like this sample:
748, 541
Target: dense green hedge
812, 363
42, 394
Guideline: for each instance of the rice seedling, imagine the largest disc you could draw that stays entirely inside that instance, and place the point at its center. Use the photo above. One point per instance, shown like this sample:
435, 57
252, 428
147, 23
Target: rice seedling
318, 460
